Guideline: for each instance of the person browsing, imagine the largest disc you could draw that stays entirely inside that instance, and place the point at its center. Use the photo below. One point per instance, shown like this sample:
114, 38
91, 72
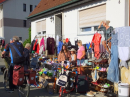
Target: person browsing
80, 53
73, 57
64, 54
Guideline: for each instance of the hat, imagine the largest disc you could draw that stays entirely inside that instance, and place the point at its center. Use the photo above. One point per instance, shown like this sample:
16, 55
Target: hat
73, 50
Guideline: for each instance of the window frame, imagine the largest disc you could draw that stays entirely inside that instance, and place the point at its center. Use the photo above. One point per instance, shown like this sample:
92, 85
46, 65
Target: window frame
31, 8
24, 23
41, 33
20, 38
79, 33
24, 9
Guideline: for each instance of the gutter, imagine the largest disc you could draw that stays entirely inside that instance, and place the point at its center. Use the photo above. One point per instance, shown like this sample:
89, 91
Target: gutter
53, 8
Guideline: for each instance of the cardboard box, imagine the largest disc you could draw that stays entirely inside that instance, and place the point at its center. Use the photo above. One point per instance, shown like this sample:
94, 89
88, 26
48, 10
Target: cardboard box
42, 82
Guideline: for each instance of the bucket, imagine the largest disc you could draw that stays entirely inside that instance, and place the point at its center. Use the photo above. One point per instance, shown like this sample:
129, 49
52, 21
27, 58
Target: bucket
123, 90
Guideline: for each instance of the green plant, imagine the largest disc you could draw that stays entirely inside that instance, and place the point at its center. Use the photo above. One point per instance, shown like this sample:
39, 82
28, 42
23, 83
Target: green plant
29, 39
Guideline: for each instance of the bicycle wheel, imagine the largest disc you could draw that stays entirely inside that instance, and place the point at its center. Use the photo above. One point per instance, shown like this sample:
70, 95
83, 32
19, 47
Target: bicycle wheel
6, 79
24, 89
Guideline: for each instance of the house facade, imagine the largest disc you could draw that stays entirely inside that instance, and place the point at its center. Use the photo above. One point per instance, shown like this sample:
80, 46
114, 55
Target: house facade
13, 18
77, 18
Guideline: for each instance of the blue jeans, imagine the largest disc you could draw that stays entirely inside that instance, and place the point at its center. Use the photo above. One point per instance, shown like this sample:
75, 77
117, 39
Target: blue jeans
80, 62
113, 70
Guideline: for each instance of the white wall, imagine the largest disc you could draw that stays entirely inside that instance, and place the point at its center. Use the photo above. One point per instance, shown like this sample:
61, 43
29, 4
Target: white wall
117, 13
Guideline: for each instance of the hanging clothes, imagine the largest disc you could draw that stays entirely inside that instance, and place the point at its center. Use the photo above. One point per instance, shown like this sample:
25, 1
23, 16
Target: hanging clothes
96, 40
51, 46
32, 44
59, 47
123, 45
0, 41
39, 41
35, 45
102, 49
57, 40
113, 70
42, 44
38, 48
76, 45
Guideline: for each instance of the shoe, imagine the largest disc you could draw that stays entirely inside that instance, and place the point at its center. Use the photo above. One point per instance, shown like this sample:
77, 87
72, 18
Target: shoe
106, 85
103, 90
90, 94
93, 92
10, 90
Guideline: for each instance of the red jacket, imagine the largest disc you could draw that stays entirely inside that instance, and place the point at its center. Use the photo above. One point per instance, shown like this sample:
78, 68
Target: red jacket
36, 46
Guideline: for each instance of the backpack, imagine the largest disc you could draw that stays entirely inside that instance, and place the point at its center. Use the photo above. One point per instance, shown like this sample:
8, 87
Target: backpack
17, 52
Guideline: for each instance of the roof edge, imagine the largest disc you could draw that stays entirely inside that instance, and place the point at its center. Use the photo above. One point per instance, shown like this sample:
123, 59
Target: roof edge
64, 4
3, 2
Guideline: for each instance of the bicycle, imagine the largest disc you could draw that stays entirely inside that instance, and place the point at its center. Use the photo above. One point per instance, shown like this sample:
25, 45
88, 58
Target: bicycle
72, 87
23, 90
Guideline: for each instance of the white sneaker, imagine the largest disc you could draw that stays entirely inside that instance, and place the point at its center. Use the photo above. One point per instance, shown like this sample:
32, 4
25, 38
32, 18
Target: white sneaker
90, 94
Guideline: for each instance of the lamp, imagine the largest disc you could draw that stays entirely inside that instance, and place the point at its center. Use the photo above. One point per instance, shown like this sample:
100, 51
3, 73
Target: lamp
52, 19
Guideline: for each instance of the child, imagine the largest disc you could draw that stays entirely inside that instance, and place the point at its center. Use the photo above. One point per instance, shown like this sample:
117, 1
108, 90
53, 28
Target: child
73, 57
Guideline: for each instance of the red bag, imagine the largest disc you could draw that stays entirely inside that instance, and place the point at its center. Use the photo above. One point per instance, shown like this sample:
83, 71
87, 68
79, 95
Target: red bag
18, 75
32, 76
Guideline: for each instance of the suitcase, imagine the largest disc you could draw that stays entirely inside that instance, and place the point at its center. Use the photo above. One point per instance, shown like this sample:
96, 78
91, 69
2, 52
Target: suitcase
82, 85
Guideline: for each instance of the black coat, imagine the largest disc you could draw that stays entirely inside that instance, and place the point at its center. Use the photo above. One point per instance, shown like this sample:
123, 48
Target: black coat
27, 57
32, 44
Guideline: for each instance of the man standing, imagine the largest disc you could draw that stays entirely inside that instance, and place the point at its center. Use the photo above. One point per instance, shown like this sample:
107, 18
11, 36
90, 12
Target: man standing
6, 55
16, 53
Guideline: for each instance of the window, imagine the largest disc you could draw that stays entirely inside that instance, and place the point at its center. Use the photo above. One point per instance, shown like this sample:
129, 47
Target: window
24, 7
20, 38
35, 6
86, 29
43, 32
31, 8
24, 23
39, 33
